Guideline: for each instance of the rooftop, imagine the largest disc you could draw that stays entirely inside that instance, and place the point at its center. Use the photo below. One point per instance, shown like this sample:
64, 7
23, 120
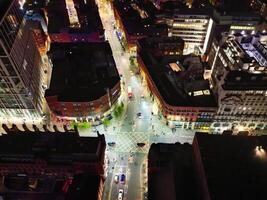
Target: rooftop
178, 78
84, 187
172, 165
160, 42
138, 17
81, 186
73, 16
235, 167
53, 147
82, 72
242, 80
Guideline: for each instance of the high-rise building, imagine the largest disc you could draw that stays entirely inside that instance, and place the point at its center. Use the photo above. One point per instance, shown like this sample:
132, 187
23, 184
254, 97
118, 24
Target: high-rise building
194, 26
238, 76
20, 61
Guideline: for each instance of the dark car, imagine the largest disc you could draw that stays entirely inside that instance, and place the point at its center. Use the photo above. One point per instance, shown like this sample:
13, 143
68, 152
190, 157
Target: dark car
122, 178
109, 117
141, 144
111, 144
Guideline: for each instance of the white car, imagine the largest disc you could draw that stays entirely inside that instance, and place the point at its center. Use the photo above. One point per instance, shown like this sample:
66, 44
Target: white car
116, 178
120, 196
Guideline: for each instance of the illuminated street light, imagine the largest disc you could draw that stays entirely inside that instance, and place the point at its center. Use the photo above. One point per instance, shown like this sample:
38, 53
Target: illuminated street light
260, 152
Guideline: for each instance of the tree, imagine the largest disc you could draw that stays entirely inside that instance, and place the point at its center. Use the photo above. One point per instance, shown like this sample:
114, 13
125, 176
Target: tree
106, 122
133, 64
124, 43
132, 60
80, 125
116, 114
118, 110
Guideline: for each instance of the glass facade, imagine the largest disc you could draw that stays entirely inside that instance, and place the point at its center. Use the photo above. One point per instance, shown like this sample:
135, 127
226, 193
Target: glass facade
19, 69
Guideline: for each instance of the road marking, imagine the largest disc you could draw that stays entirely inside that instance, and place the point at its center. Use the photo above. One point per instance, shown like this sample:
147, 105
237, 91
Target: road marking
112, 178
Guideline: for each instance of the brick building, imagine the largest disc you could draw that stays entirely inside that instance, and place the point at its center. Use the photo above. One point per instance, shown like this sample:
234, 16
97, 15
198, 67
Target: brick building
51, 165
85, 82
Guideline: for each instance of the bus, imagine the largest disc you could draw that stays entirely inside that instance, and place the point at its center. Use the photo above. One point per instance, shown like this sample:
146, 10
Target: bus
130, 93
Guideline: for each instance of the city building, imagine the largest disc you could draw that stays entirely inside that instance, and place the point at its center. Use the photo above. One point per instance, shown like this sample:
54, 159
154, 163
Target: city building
86, 186
74, 21
176, 83
171, 165
194, 26
230, 167
24, 187
20, 64
259, 6
231, 13
135, 20
85, 82
37, 165
237, 22
239, 79
224, 5
215, 167
228, 16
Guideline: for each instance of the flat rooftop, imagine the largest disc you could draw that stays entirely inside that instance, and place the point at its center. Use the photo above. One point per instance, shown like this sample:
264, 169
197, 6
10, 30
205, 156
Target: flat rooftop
160, 42
233, 167
84, 187
75, 16
242, 80
138, 17
82, 72
51, 147
171, 165
179, 79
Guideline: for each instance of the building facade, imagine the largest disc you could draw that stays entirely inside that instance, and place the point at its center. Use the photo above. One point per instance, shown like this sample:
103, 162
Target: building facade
20, 61
51, 165
85, 82
238, 77
181, 94
194, 27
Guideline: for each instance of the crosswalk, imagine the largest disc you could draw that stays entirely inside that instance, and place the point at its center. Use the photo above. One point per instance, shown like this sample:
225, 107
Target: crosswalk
127, 141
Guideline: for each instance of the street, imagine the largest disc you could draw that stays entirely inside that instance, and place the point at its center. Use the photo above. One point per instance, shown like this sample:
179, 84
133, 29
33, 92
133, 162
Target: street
137, 125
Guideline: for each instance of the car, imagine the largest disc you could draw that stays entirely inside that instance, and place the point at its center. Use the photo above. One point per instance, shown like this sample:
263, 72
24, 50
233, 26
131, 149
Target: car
141, 144
122, 178
116, 178
109, 117
139, 114
120, 195
111, 144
